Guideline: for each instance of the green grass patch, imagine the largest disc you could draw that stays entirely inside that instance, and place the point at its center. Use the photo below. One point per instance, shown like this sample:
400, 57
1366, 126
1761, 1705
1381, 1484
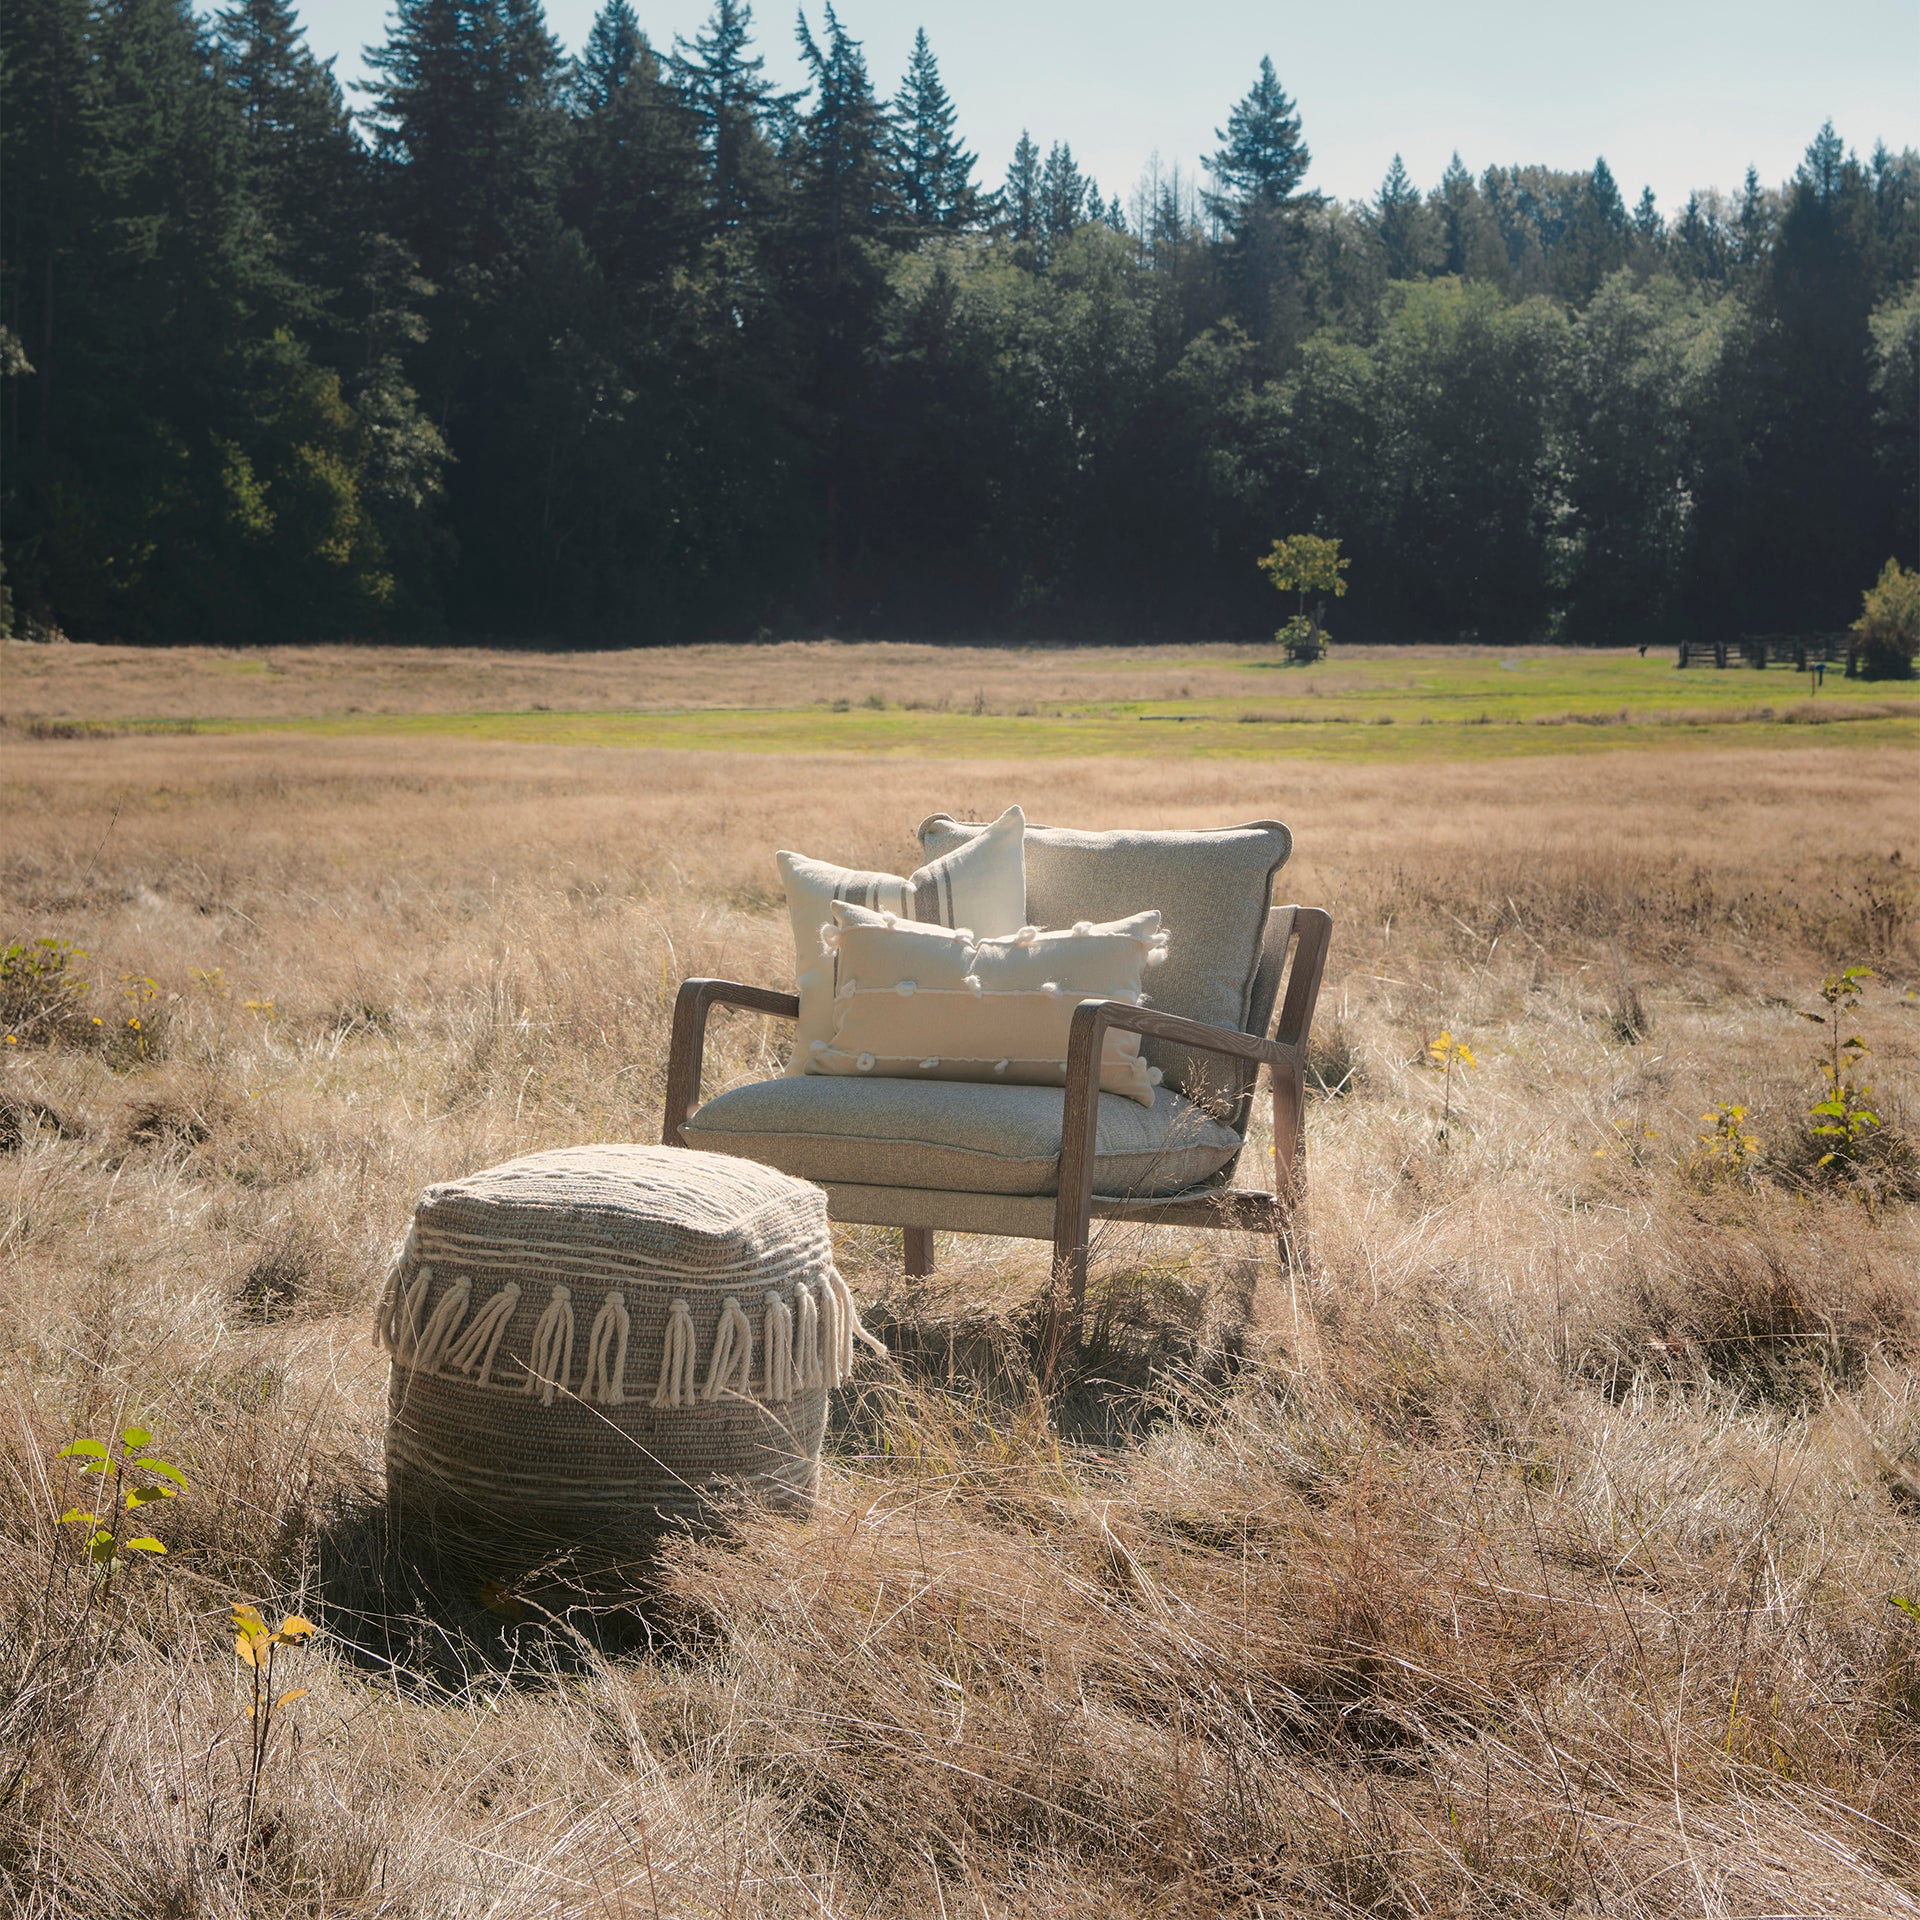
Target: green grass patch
1406, 704
943, 736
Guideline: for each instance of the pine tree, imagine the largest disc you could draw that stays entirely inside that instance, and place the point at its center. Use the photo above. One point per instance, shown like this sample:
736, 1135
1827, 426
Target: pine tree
1700, 240
470, 128
614, 45
1259, 168
1400, 218
156, 333
50, 163
1604, 192
1021, 196
1820, 517
1792, 515
1468, 239
1594, 236
842, 208
1753, 223
1172, 222
1896, 201
306, 169
932, 171
1064, 192
734, 106
633, 181
310, 178
189, 470
841, 144
289, 102
1824, 165
1258, 202
425, 79
465, 118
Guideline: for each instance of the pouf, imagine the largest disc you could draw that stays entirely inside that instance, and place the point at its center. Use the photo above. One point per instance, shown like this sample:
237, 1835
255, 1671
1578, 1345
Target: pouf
594, 1343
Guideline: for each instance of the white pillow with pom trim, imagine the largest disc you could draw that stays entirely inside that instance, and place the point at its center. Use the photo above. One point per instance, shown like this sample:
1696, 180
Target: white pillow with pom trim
916, 1002
981, 884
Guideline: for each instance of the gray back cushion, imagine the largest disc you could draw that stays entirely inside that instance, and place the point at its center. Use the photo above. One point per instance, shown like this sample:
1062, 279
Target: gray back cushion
1212, 887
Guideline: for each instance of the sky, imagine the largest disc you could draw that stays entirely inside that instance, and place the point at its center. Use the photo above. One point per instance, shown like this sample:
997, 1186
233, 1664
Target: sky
1676, 96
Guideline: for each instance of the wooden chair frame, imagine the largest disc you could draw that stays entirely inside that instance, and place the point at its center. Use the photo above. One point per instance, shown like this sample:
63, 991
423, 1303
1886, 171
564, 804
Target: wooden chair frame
1075, 1205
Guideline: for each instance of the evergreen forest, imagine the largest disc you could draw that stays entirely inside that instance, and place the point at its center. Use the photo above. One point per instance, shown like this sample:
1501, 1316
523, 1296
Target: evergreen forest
634, 347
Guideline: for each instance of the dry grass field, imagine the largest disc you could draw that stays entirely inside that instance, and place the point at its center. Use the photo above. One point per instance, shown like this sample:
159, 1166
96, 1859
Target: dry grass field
1533, 1548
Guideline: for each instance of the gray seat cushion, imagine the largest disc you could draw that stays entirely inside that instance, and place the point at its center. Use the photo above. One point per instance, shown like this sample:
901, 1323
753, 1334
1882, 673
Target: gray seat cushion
1212, 887
956, 1136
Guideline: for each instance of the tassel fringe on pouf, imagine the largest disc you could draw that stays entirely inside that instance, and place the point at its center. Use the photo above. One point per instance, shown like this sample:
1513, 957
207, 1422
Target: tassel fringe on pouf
597, 1343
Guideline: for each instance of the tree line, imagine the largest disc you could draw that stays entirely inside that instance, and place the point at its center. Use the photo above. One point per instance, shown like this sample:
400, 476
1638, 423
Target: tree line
636, 346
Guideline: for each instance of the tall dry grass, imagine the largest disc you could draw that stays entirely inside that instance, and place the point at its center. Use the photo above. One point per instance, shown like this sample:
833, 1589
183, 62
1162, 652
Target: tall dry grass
120, 683
1526, 1551
42, 686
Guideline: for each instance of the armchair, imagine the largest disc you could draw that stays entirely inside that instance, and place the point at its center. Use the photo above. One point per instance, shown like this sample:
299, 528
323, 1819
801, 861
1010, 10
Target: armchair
1045, 1162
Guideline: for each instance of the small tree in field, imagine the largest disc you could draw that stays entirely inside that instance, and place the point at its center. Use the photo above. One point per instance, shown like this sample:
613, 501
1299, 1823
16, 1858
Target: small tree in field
1887, 634
1303, 564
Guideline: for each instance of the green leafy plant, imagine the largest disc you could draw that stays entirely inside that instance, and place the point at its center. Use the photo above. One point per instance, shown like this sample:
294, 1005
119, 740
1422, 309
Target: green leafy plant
136, 1479
1887, 634
1449, 1055
1728, 1149
258, 1648
42, 995
1842, 1122
1305, 563
1302, 639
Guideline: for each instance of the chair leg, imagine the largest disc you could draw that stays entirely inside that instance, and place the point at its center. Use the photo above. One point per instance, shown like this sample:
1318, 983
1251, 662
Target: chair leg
1066, 1303
1290, 1250
1070, 1279
1073, 1204
919, 1249
1066, 1296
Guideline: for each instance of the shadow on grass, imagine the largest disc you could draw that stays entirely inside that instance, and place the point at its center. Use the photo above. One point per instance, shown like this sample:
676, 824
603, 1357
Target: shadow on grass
1148, 1324
441, 1606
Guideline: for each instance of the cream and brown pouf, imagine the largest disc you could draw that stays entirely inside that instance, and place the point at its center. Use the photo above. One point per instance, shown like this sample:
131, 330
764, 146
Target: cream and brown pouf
594, 1343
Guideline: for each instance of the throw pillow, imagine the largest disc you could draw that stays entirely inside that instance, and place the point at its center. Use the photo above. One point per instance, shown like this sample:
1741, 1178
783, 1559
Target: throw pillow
981, 885
1213, 884
919, 1002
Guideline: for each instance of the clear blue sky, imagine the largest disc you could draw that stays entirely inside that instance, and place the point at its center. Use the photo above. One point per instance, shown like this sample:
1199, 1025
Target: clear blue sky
1676, 95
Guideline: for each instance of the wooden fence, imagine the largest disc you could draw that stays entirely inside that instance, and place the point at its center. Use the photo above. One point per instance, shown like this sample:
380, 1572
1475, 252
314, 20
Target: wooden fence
1800, 650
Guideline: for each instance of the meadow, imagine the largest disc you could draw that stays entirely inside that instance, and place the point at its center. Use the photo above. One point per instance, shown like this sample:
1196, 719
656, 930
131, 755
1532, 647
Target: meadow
1547, 1541
958, 702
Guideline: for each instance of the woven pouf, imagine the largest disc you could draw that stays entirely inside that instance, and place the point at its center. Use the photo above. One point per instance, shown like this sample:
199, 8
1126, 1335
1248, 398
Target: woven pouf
594, 1343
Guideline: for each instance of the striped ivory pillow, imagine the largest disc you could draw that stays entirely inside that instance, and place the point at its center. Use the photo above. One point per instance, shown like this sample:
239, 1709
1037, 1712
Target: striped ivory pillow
981, 884
934, 1003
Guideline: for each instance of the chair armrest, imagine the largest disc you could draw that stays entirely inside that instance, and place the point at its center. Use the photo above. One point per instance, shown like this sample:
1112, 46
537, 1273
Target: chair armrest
1101, 1014
686, 1055
1313, 931
1287, 1065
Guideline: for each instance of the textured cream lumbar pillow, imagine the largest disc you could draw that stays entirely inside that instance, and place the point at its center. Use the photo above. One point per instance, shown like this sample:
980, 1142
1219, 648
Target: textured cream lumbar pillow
981, 885
933, 1003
